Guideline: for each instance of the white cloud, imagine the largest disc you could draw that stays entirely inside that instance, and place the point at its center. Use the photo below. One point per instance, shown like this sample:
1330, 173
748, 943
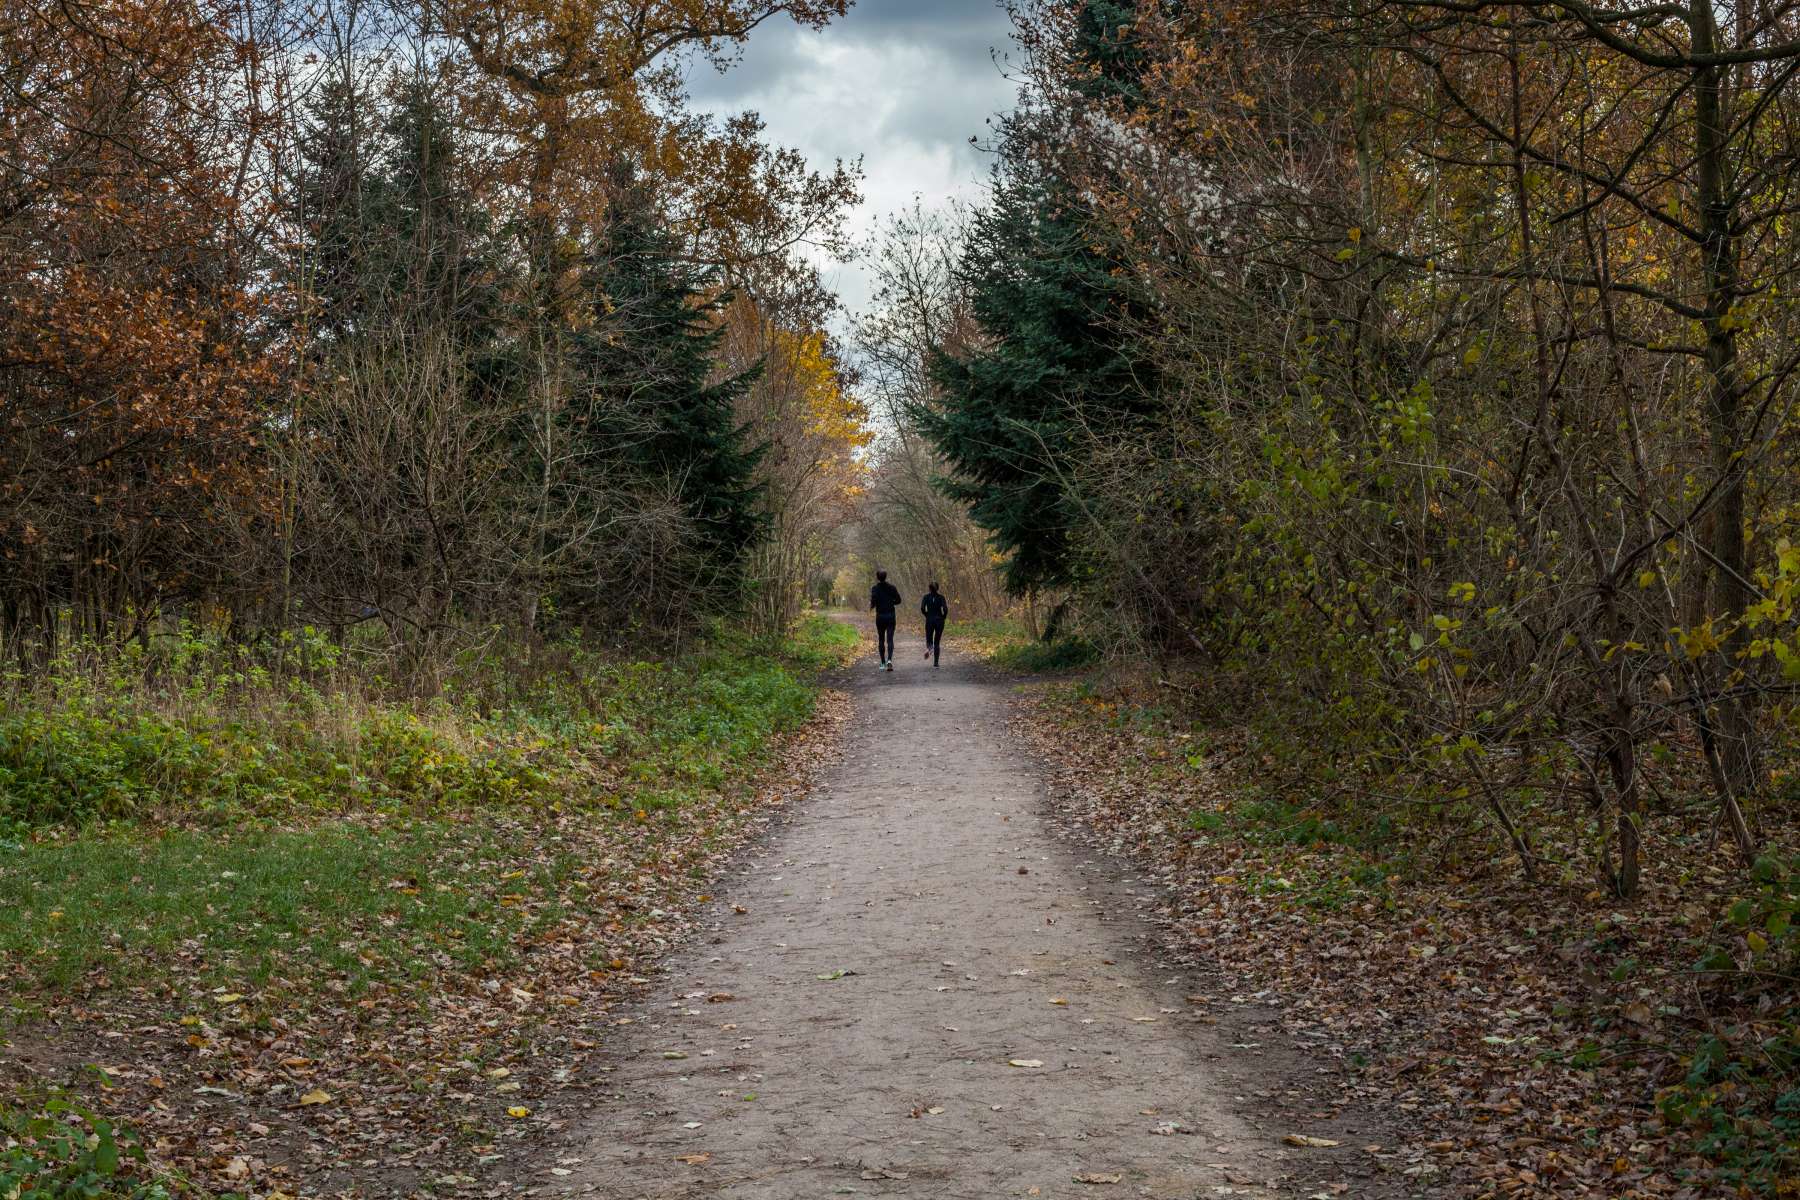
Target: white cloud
901, 83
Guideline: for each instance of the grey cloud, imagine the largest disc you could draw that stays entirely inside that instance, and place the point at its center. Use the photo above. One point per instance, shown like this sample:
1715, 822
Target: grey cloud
902, 84
963, 32
951, 16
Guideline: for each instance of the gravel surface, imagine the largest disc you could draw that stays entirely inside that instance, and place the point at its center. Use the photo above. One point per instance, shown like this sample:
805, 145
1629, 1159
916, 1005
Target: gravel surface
917, 988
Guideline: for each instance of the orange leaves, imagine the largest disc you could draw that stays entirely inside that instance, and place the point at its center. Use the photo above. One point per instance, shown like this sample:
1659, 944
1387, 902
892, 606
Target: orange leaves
579, 85
131, 394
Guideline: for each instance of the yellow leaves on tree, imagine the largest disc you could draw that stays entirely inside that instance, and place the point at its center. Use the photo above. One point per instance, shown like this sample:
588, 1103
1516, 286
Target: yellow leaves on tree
580, 85
831, 414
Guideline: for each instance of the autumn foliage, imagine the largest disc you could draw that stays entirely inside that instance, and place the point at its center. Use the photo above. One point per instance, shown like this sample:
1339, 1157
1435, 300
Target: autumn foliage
292, 296
135, 385
1409, 389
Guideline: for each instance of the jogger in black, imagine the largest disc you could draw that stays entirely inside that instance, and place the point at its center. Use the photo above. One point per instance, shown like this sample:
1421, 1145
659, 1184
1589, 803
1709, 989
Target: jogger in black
884, 598
937, 611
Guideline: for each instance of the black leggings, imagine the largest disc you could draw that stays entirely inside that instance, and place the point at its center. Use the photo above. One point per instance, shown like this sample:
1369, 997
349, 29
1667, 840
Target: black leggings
934, 639
884, 638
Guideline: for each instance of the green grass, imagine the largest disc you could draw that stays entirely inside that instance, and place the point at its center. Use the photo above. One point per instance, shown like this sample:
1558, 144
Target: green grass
1005, 643
387, 845
1270, 821
820, 643
1046, 658
213, 748
233, 845
356, 903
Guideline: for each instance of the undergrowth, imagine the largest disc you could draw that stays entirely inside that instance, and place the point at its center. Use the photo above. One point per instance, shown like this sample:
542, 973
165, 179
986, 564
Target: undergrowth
195, 733
54, 1147
199, 818
1692, 987
1007, 644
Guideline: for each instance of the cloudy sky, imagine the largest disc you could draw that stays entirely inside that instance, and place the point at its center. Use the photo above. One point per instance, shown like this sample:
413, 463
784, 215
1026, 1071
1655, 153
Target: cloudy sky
900, 83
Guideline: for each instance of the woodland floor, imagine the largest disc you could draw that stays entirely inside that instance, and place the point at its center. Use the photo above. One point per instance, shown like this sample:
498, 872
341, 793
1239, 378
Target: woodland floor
919, 986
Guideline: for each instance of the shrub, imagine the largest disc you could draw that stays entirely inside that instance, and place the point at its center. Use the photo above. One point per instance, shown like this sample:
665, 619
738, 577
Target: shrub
59, 1149
1045, 658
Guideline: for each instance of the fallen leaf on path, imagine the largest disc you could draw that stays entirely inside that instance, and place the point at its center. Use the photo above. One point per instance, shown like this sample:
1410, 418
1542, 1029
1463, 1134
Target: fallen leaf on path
315, 1097
1097, 1177
1024, 1062
693, 1160
1301, 1139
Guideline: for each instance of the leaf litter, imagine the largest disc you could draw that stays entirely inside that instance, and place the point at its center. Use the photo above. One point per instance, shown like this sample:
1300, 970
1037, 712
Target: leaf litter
1523, 1035
329, 1082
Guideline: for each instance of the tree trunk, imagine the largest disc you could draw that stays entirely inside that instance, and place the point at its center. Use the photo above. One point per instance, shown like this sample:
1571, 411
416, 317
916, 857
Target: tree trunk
1735, 725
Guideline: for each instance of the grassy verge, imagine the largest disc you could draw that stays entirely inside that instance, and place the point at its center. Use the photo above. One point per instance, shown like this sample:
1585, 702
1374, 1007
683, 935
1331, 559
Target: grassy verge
305, 899
1006, 643
1545, 1038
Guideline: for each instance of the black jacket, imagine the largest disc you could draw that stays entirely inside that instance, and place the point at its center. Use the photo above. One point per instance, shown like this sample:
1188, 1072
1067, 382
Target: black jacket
935, 608
884, 598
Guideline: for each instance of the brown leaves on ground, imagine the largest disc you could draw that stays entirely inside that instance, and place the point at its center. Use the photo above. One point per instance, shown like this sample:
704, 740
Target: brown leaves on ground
1523, 1032
446, 1087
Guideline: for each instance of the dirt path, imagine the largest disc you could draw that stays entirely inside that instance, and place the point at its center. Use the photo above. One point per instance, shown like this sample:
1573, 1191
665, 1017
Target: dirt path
917, 989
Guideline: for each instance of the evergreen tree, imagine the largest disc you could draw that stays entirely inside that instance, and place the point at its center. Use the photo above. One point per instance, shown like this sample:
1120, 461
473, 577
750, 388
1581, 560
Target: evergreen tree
334, 198
650, 359
1108, 59
1053, 366
447, 259
393, 236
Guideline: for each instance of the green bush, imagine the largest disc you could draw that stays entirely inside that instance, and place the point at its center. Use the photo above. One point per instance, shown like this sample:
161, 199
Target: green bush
1045, 658
59, 1150
1740, 1105
191, 734
1740, 1099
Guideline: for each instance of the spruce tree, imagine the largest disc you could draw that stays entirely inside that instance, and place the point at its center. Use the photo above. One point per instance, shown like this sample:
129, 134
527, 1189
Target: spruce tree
1053, 367
1108, 59
651, 358
393, 235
